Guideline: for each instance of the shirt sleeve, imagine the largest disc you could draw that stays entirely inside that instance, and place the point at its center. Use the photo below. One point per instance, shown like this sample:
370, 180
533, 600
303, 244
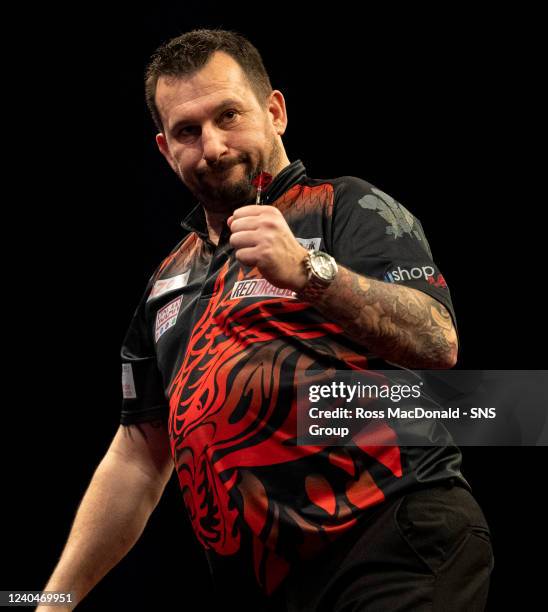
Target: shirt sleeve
374, 235
142, 387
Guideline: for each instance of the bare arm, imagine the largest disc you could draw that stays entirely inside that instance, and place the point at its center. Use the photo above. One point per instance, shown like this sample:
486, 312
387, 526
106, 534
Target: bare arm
123, 492
400, 324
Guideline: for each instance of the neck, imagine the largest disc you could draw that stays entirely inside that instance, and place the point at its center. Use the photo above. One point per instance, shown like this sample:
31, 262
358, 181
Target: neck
215, 222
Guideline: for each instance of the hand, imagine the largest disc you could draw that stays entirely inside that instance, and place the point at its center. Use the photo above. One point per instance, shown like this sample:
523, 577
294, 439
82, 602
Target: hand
262, 238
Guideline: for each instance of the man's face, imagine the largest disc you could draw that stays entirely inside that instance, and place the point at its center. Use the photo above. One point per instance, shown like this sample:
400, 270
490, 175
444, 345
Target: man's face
217, 136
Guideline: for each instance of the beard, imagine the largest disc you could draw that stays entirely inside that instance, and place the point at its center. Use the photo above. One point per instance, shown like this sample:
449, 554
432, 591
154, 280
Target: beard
220, 195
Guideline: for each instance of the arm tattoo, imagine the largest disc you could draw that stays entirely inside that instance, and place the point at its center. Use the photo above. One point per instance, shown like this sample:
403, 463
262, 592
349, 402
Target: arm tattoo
397, 323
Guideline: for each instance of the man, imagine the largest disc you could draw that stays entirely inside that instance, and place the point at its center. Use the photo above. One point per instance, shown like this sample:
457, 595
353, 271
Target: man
324, 275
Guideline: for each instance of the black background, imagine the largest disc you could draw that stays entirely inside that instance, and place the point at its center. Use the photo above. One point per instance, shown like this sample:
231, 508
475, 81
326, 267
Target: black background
437, 109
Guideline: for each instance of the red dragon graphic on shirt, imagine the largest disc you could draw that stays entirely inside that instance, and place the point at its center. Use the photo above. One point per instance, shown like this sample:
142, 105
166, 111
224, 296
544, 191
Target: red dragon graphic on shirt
233, 419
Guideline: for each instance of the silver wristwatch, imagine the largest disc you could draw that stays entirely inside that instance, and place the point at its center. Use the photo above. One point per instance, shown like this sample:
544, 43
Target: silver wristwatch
321, 269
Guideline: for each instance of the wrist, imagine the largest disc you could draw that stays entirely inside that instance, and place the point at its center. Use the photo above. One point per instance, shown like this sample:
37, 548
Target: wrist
320, 270
301, 277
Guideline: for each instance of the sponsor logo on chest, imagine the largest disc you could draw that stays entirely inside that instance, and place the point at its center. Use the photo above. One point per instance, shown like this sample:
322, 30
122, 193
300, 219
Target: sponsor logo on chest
168, 284
166, 317
310, 243
258, 287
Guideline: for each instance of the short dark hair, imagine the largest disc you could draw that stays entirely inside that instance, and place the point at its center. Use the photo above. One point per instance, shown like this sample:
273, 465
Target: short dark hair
188, 53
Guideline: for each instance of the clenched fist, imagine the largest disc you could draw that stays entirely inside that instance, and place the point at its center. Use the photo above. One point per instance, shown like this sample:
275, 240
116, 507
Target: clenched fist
262, 238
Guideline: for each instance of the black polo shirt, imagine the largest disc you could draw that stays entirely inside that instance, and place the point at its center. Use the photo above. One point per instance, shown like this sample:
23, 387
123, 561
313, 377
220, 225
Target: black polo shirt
215, 349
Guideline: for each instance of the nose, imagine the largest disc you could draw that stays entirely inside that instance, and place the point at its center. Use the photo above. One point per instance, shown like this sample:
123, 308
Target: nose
213, 144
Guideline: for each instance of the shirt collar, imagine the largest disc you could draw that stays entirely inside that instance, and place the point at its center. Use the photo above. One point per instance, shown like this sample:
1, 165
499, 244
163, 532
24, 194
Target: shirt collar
195, 221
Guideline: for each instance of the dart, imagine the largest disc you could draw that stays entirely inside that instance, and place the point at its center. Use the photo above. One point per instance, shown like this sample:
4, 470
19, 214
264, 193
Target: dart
261, 181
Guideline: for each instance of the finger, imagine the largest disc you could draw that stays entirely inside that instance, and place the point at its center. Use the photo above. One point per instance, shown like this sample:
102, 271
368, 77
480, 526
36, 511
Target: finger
247, 256
244, 224
246, 211
241, 240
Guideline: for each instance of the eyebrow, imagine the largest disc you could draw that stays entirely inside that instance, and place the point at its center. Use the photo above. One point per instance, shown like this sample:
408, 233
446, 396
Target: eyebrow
227, 102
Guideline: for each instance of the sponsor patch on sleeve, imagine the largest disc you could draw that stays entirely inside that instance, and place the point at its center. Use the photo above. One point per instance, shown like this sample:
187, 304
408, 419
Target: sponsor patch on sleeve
427, 273
128, 384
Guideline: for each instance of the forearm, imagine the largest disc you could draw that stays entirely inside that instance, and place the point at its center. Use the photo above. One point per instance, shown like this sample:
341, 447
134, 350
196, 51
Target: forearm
110, 519
397, 323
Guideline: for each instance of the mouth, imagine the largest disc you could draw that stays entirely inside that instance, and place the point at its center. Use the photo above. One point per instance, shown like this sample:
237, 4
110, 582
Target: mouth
215, 174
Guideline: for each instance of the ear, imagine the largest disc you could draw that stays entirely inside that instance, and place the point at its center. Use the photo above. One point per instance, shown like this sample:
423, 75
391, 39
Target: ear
277, 111
164, 150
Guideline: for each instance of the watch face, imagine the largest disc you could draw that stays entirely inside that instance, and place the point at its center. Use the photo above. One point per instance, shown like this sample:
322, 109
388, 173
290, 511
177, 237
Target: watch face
323, 265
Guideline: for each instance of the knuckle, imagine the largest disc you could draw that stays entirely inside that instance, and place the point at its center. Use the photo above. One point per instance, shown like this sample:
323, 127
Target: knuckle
270, 223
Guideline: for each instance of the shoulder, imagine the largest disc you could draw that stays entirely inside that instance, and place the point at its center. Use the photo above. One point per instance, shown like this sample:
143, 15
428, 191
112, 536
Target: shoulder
339, 190
356, 190
178, 259
341, 185
364, 197
353, 190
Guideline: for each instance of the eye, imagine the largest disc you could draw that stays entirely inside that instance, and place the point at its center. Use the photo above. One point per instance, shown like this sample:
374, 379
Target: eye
187, 130
229, 116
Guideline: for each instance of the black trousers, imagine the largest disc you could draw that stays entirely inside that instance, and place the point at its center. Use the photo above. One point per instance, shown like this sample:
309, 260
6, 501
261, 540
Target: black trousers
429, 550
